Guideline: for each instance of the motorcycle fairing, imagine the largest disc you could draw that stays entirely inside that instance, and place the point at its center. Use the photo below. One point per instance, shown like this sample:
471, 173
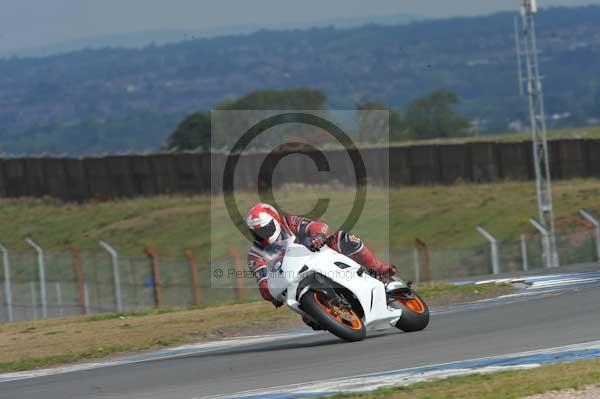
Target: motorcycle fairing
370, 292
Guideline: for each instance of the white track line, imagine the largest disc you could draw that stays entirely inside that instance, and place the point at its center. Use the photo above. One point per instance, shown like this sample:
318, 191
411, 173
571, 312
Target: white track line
171, 353
369, 382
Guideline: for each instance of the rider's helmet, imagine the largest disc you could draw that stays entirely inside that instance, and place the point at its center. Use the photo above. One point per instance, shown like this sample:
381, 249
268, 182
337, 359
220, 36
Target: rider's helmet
265, 223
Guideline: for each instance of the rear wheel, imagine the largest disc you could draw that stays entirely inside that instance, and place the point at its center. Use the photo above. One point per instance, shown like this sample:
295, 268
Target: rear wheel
415, 312
335, 317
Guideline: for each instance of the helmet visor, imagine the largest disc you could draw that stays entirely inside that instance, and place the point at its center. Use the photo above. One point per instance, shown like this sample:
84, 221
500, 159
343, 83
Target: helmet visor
265, 232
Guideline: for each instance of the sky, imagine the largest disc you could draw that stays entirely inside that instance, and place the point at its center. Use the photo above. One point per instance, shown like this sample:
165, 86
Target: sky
32, 23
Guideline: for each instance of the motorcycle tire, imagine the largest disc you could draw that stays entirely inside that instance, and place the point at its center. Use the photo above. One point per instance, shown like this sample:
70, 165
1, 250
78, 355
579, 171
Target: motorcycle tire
346, 325
415, 312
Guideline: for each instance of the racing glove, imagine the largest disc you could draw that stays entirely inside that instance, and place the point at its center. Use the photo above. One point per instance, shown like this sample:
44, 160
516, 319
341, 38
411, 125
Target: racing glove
316, 242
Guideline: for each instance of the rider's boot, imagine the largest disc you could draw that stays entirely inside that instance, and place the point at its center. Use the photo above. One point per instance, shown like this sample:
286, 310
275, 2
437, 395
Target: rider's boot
365, 257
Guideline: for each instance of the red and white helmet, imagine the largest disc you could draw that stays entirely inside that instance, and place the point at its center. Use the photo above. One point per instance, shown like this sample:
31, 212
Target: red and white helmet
265, 223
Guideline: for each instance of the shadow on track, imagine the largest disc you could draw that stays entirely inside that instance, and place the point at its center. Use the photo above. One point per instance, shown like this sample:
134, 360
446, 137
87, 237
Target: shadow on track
319, 340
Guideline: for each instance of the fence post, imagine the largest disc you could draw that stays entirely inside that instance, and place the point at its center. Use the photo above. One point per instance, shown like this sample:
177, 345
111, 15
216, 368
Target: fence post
153, 255
195, 277
42, 275
424, 252
494, 247
593, 220
80, 281
86, 298
417, 266
545, 241
59, 299
524, 252
116, 272
33, 300
239, 274
7, 282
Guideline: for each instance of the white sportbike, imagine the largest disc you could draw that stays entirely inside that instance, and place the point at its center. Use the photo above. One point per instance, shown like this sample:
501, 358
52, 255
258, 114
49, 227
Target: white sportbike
334, 293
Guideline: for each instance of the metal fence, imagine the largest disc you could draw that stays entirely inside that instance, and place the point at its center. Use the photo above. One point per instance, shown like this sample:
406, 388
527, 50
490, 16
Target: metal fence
140, 283
518, 255
76, 283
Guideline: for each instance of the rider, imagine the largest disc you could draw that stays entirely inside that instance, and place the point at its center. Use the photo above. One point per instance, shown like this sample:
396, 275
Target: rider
268, 227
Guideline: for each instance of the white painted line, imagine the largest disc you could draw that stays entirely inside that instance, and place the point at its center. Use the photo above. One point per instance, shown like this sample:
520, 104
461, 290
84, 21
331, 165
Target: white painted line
369, 382
550, 280
572, 281
170, 353
496, 281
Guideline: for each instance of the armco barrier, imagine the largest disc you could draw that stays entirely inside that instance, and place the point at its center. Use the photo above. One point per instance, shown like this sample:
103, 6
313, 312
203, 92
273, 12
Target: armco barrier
145, 175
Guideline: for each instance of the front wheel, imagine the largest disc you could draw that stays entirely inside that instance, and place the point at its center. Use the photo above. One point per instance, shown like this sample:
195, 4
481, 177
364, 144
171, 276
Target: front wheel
336, 318
415, 312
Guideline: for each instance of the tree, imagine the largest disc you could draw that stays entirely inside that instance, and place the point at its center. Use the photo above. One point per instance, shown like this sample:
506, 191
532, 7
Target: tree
433, 116
372, 129
195, 130
191, 134
300, 99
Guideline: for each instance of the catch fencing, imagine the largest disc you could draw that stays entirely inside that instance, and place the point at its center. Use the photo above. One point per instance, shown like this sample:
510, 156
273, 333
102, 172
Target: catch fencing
87, 282
516, 255
139, 284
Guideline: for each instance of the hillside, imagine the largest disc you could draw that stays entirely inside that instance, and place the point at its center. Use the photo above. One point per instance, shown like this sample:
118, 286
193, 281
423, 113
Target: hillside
145, 38
47, 104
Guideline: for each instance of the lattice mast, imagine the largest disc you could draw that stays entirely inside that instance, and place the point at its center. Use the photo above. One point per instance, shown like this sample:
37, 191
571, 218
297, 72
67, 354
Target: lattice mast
527, 49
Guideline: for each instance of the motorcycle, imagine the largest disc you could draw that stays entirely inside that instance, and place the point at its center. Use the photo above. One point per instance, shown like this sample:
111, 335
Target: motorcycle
334, 293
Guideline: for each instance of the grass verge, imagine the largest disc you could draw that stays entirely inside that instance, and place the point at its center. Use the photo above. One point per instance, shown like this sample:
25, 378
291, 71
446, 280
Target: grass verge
43, 343
445, 294
590, 132
442, 216
503, 385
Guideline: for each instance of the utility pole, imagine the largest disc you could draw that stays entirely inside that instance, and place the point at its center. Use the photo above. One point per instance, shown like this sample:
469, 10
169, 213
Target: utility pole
527, 48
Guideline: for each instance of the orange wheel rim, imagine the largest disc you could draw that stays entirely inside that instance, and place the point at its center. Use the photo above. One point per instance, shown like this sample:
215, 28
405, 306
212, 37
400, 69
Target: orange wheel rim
415, 304
351, 319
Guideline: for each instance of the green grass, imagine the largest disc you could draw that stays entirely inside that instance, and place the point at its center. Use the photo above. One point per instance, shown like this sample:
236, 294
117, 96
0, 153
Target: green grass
440, 290
441, 215
592, 132
119, 315
159, 311
71, 357
504, 385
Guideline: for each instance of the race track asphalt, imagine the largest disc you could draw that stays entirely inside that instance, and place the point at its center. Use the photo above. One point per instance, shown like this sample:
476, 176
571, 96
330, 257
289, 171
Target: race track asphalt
556, 319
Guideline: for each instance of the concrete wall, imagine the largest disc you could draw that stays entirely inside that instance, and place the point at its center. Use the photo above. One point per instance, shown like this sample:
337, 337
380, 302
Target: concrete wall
146, 175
